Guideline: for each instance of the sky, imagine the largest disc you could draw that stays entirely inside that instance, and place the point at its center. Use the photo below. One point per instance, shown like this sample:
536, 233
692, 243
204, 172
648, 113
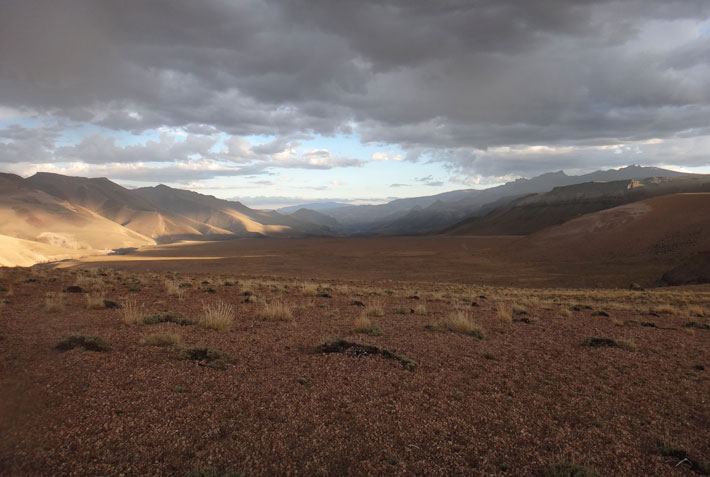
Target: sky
277, 103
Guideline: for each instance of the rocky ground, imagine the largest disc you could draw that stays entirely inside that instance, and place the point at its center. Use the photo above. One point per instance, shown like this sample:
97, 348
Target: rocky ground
444, 379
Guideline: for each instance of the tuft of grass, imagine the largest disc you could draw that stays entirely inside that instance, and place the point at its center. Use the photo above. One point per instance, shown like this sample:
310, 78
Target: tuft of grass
461, 322
131, 313
88, 342
695, 311
217, 316
597, 342
697, 325
162, 339
420, 309
375, 308
568, 470
665, 309
54, 302
209, 357
275, 311
505, 312
172, 288
309, 289
95, 301
363, 324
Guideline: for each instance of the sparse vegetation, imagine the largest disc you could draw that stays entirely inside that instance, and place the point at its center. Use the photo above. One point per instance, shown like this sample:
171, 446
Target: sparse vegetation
167, 318
162, 339
172, 288
95, 301
275, 311
461, 322
568, 470
88, 342
211, 358
504, 312
596, 342
54, 302
217, 316
131, 313
375, 307
309, 289
358, 350
364, 325
420, 309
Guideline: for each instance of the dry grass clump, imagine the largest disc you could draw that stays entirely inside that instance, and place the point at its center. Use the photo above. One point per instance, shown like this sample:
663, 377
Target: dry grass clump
363, 324
461, 322
665, 309
217, 316
375, 307
54, 301
275, 311
505, 312
10, 291
172, 288
695, 311
131, 313
309, 289
420, 309
162, 339
95, 301
88, 282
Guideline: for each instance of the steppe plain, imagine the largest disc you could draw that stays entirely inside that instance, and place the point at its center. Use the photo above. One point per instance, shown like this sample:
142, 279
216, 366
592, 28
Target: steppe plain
457, 356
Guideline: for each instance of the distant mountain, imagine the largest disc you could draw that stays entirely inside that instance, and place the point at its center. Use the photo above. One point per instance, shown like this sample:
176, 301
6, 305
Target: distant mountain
535, 212
317, 206
444, 212
327, 223
50, 216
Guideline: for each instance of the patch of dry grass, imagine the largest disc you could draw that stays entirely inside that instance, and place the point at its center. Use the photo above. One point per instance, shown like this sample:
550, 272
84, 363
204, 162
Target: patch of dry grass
95, 301
217, 316
309, 289
375, 307
172, 288
131, 313
163, 339
363, 324
420, 309
461, 322
275, 311
54, 302
504, 312
695, 311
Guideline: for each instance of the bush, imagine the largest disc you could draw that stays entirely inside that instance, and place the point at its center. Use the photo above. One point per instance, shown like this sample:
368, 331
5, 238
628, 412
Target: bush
88, 342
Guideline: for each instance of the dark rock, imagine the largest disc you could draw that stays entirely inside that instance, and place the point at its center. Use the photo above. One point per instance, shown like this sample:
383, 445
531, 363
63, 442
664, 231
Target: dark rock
600, 313
323, 295
473, 303
413, 297
73, 289
111, 305
357, 303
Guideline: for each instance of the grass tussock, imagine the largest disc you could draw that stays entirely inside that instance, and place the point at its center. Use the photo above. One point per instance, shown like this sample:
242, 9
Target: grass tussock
358, 350
164, 339
54, 302
95, 301
462, 323
131, 313
695, 311
505, 312
375, 307
420, 309
309, 289
172, 288
364, 325
217, 316
275, 311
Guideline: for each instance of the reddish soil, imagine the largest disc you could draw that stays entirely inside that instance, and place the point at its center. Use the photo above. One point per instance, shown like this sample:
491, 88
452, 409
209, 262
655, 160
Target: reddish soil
527, 396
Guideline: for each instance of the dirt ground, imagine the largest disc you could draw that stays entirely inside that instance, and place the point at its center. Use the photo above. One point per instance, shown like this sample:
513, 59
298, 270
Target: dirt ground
526, 397
503, 260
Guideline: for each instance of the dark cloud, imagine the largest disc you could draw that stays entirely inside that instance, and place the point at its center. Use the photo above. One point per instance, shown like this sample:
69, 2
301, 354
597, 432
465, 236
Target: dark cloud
445, 81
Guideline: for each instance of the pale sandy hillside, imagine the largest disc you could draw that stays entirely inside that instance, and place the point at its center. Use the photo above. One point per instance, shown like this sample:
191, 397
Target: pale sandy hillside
25, 253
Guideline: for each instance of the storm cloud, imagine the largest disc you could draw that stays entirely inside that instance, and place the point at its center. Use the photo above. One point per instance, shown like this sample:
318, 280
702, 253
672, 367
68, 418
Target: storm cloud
488, 88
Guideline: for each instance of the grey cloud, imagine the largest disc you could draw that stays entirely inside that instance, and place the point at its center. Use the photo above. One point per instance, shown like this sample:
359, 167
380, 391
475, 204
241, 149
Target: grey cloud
438, 79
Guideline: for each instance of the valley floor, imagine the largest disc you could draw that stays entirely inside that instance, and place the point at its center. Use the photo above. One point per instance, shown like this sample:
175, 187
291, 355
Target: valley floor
447, 378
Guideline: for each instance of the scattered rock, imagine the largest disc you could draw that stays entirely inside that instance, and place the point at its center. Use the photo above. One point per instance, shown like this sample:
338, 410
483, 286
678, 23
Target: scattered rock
413, 297
209, 290
596, 342
323, 295
303, 381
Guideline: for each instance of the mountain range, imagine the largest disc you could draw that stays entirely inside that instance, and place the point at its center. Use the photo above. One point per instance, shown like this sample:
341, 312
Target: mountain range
52, 217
